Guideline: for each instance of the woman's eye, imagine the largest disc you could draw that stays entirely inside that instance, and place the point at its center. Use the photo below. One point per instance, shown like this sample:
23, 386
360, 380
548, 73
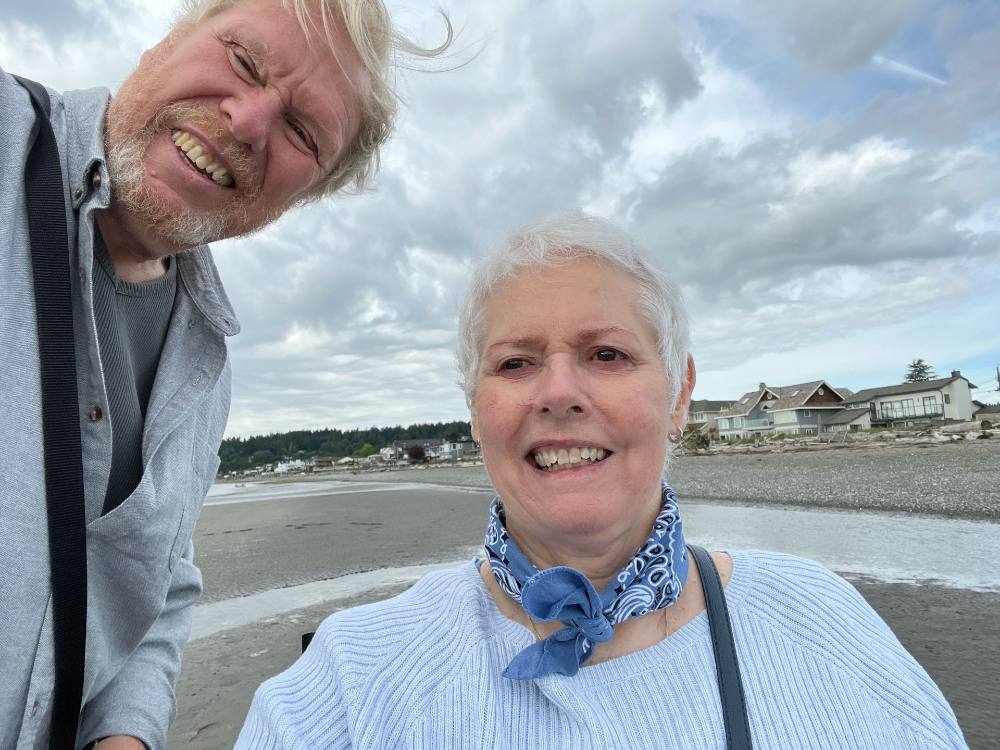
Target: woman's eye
609, 355
512, 364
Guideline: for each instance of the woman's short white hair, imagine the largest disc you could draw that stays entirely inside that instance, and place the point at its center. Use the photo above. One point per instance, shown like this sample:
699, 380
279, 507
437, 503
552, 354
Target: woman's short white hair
379, 46
558, 239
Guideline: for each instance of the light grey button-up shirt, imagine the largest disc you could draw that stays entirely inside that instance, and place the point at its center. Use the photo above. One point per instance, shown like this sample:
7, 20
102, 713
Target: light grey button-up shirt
141, 577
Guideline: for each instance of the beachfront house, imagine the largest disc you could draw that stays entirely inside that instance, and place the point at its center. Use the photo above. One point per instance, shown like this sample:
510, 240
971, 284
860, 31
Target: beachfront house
803, 409
800, 409
456, 450
747, 416
702, 415
848, 420
401, 448
941, 400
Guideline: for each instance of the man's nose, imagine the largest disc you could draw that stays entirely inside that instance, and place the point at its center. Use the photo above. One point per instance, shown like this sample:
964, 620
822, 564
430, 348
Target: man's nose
252, 116
561, 387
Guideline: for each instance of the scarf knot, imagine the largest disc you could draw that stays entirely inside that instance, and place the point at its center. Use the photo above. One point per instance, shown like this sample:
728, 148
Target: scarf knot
651, 580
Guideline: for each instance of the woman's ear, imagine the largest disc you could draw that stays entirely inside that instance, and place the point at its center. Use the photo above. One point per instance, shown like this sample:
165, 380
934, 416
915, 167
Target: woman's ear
680, 413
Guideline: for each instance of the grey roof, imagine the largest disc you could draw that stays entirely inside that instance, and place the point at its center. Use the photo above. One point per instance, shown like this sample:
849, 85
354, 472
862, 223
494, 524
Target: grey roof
795, 396
738, 409
706, 405
845, 392
892, 390
787, 397
846, 416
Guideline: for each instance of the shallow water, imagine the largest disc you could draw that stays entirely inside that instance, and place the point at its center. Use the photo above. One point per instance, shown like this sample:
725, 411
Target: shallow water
888, 547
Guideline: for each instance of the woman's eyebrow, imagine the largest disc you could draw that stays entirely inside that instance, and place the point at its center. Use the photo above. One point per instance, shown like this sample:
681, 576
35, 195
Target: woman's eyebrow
593, 334
526, 342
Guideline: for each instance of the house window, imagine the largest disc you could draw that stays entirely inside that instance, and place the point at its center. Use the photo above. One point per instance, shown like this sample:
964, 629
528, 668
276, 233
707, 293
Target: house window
820, 391
908, 410
805, 413
888, 409
931, 407
947, 398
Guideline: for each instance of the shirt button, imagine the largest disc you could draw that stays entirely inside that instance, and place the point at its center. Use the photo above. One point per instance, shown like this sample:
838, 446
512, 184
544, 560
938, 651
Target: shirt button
94, 413
34, 709
96, 179
77, 194
83, 273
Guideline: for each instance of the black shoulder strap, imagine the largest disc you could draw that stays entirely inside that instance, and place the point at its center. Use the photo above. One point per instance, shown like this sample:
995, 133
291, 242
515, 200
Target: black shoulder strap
60, 419
734, 708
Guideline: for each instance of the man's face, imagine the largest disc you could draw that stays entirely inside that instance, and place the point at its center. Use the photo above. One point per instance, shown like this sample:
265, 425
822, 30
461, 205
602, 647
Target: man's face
226, 124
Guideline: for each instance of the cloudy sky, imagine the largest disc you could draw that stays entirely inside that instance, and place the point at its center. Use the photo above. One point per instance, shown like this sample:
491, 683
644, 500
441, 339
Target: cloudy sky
822, 178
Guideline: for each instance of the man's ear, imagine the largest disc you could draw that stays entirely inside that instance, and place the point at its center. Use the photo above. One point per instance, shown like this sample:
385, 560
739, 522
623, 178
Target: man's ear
679, 416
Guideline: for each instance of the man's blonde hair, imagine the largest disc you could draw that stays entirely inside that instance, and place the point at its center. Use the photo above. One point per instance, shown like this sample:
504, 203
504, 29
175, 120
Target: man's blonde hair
378, 45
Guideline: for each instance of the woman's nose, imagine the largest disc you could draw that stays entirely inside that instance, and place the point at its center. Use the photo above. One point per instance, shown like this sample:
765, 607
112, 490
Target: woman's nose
252, 116
561, 390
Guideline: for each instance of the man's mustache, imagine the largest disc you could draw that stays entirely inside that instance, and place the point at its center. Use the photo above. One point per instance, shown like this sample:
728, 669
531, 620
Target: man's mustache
240, 162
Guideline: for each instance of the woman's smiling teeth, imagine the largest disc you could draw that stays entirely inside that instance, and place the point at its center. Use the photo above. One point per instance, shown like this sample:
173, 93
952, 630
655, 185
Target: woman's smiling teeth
556, 459
198, 156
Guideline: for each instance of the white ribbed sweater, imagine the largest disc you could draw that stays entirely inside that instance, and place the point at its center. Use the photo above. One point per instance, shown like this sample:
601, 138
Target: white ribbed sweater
423, 670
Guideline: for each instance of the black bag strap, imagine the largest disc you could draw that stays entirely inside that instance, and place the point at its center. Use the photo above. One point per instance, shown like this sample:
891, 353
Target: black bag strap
734, 707
64, 496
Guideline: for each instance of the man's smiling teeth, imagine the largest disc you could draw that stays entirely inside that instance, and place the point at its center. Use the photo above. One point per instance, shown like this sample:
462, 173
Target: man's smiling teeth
197, 154
552, 459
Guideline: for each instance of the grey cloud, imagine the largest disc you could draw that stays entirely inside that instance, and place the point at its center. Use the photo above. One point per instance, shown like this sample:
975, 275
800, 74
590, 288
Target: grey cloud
54, 18
833, 35
593, 66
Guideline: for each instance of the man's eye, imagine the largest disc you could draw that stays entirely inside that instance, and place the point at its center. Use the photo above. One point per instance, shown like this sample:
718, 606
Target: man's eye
301, 134
243, 62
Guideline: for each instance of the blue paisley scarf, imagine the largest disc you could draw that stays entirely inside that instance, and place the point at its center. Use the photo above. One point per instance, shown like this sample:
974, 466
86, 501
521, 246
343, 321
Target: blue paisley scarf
651, 580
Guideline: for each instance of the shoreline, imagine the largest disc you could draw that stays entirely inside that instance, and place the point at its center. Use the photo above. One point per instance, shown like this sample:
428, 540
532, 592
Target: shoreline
952, 480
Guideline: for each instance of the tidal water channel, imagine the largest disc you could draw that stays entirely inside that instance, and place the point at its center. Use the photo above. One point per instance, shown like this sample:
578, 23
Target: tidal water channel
888, 547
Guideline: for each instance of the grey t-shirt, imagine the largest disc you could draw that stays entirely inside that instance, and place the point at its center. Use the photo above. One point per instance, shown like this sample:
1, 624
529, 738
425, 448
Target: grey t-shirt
132, 322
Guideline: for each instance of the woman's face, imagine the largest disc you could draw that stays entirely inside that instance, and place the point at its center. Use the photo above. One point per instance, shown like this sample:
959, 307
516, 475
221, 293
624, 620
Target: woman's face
571, 407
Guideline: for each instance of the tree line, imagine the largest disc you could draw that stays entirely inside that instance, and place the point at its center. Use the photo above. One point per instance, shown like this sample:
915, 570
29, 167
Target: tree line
244, 453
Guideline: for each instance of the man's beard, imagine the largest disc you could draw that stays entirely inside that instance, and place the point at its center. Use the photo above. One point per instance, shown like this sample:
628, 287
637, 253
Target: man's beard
127, 140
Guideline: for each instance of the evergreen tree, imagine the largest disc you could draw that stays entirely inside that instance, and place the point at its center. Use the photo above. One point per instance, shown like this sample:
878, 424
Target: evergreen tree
918, 372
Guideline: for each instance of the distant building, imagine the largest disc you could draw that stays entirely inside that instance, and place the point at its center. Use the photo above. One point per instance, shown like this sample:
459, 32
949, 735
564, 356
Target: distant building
458, 449
703, 413
800, 409
848, 420
401, 448
908, 403
283, 467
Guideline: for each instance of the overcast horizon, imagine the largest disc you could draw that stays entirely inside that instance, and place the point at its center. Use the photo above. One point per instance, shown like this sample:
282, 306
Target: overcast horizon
822, 180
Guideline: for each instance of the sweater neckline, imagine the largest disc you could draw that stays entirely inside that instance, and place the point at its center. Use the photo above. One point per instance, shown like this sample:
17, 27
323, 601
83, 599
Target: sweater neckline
511, 637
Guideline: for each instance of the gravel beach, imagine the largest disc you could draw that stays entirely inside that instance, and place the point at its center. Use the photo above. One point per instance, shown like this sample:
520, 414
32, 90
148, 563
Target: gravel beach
958, 480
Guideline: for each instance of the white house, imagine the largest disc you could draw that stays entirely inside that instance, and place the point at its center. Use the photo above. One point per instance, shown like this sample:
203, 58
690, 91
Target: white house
907, 403
283, 467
